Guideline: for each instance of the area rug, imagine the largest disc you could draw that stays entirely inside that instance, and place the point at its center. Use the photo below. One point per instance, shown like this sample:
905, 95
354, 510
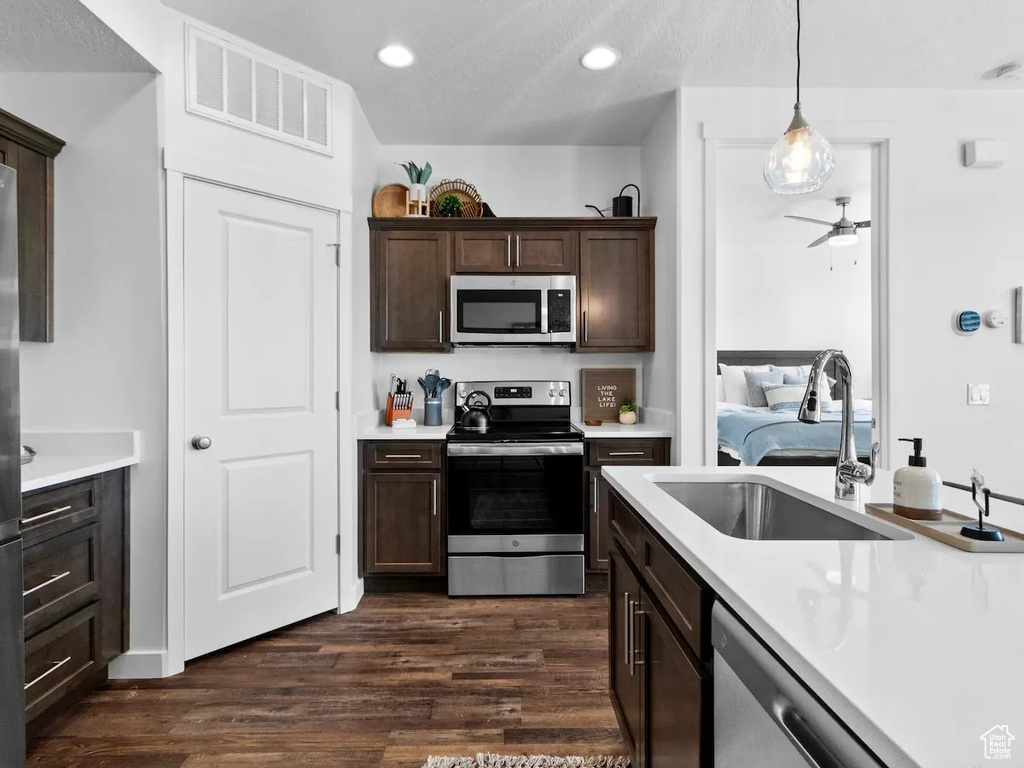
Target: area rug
526, 761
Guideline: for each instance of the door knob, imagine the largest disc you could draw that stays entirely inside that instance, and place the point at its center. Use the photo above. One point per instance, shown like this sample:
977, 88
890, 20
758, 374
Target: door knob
201, 442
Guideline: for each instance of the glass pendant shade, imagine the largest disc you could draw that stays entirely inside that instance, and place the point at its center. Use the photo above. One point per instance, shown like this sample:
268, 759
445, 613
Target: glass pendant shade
840, 240
801, 161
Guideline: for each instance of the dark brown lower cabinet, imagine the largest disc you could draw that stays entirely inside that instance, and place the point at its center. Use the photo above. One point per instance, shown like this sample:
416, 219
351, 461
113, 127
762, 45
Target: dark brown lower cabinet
75, 589
676, 696
649, 452
403, 523
624, 589
660, 689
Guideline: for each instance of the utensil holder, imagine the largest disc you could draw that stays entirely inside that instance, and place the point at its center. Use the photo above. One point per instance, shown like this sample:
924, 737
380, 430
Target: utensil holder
432, 412
391, 414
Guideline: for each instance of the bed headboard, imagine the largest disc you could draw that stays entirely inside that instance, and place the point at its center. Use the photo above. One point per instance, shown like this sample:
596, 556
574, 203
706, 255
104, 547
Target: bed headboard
783, 357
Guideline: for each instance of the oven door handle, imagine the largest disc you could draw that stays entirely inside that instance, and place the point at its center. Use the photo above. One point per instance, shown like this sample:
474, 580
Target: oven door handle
515, 449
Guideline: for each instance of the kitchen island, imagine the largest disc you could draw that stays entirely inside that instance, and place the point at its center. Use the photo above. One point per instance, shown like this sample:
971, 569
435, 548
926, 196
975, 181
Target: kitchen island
915, 646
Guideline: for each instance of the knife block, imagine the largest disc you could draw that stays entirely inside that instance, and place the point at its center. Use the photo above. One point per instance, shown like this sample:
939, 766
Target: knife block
391, 413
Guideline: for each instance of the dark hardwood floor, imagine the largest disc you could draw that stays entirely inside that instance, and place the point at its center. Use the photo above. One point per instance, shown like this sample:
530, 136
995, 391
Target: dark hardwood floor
400, 678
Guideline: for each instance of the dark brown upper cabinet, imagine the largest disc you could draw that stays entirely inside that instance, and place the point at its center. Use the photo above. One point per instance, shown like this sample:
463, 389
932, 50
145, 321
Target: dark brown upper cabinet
478, 252
31, 152
616, 291
409, 275
535, 252
412, 260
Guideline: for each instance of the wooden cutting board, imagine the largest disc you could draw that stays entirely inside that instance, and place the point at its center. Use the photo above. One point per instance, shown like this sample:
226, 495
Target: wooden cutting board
947, 530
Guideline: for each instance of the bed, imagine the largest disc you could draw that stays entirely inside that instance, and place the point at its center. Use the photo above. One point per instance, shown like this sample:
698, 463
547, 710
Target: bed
758, 436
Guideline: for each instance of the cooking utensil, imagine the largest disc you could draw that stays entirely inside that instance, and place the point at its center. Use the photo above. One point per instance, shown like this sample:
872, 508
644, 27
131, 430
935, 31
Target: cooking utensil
442, 386
423, 386
477, 415
432, 381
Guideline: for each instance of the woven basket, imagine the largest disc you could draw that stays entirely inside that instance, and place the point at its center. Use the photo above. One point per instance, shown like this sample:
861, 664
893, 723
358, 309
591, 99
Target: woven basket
472, 208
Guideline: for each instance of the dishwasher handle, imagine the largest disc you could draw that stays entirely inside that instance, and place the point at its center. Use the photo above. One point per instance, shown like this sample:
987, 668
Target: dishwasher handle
816, 733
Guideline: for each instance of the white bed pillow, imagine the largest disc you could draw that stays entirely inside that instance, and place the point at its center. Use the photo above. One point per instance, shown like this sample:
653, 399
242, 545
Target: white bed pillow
735, 380
719, 389
784, 397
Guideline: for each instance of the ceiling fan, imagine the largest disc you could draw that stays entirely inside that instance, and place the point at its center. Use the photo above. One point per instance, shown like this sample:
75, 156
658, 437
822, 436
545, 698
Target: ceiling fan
842, 232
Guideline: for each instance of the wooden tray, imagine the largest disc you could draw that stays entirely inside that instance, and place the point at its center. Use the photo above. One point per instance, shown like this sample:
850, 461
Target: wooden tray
389, 202
947, 530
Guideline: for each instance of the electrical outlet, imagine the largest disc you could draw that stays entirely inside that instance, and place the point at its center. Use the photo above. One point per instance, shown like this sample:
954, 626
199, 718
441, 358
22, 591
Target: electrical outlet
978, 394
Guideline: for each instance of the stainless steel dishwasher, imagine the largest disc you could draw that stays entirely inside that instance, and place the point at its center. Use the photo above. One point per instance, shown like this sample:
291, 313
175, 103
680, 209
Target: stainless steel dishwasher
765, 716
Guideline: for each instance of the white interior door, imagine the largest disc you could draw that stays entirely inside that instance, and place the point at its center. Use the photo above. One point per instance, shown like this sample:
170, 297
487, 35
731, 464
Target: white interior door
261, 372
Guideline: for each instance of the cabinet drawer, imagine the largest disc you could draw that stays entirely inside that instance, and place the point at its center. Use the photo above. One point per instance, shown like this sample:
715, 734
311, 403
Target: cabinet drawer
395, 455
684, 596
61, 576
626, 527
60, 659
41, 509
624, 452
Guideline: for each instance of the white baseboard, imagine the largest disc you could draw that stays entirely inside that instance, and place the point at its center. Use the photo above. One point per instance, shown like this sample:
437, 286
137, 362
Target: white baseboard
349, 601
138, 665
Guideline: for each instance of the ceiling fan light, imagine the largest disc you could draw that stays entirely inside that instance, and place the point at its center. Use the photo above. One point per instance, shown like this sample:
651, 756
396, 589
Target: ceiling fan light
801, 161
841, 240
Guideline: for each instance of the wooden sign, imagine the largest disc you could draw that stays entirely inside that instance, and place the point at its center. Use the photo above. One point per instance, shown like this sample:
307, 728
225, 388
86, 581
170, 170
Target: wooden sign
604, 390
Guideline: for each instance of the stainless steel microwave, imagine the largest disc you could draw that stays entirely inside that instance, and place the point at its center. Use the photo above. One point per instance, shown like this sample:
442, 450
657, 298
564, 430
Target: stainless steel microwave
529, 310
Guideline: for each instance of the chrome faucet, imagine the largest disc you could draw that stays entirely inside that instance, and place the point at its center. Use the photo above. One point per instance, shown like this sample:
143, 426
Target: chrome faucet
850, 471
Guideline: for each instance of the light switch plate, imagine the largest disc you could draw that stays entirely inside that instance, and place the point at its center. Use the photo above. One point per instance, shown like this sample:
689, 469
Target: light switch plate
978, 394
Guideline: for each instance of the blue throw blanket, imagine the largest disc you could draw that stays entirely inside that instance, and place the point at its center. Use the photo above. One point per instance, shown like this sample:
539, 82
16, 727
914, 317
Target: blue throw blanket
753, 434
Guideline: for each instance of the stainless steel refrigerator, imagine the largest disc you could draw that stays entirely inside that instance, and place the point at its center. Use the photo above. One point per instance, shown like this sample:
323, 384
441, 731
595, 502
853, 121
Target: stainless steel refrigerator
12, 623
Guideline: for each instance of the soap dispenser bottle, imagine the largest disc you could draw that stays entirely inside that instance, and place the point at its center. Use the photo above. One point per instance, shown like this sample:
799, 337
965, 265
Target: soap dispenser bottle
917, 490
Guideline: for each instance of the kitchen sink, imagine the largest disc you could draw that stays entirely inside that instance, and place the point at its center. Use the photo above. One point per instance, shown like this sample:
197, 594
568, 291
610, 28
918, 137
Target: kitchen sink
755, 511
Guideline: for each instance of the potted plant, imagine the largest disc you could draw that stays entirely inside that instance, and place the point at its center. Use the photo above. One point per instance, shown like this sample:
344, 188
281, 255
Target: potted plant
449, 205
418, 178
627, 411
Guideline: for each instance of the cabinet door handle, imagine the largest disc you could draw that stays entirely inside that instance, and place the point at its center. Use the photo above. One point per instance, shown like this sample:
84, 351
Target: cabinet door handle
508, 252
636, 614
631, 618
434, 482
518, 250
440, 326
48, 582
56, 665
626, 453
586, 328
593, 497
51, 513
402, 456
626, 603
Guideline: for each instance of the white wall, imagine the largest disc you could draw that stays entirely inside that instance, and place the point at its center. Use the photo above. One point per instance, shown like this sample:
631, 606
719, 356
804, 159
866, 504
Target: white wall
660, 170
773, 292
525, 181
106, 369
954, 233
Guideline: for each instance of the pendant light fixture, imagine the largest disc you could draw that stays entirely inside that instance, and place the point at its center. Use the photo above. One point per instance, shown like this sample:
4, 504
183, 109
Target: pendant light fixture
802, 160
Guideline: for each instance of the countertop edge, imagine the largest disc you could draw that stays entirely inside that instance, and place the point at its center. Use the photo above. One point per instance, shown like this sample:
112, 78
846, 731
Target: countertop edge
100, 465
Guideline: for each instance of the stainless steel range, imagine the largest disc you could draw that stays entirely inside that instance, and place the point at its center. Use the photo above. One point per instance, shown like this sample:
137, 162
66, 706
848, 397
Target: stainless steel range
515, 492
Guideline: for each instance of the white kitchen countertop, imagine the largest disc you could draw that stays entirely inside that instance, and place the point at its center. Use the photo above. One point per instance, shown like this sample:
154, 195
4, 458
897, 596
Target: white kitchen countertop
65, 456
625, 431
914, 644
418, 432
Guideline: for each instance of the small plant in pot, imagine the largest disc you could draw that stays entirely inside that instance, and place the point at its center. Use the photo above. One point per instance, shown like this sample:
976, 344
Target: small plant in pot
627, 411
418, 178
450, 206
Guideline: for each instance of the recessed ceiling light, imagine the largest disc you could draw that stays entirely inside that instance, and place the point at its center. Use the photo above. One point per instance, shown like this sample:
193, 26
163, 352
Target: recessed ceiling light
600, 57
397, 56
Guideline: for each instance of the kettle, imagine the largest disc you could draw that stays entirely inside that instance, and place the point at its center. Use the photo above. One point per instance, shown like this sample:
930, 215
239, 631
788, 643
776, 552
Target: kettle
476, 416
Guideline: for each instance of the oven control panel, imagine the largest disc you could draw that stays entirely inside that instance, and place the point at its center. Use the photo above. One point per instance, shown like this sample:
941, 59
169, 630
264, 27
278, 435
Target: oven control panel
513, 393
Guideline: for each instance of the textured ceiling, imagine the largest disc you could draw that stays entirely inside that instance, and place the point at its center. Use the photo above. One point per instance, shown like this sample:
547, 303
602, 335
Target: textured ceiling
61, 36
501, 72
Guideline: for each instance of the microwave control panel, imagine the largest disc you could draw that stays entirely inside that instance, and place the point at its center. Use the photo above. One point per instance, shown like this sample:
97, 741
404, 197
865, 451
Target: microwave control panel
559, 311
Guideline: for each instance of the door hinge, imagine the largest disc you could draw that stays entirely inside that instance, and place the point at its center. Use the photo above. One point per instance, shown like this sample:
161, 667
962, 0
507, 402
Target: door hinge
337, 252
337, 543
337, 401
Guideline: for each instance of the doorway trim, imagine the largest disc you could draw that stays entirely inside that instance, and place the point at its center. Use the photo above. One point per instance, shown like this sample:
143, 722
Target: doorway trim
884, 138
179, 166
